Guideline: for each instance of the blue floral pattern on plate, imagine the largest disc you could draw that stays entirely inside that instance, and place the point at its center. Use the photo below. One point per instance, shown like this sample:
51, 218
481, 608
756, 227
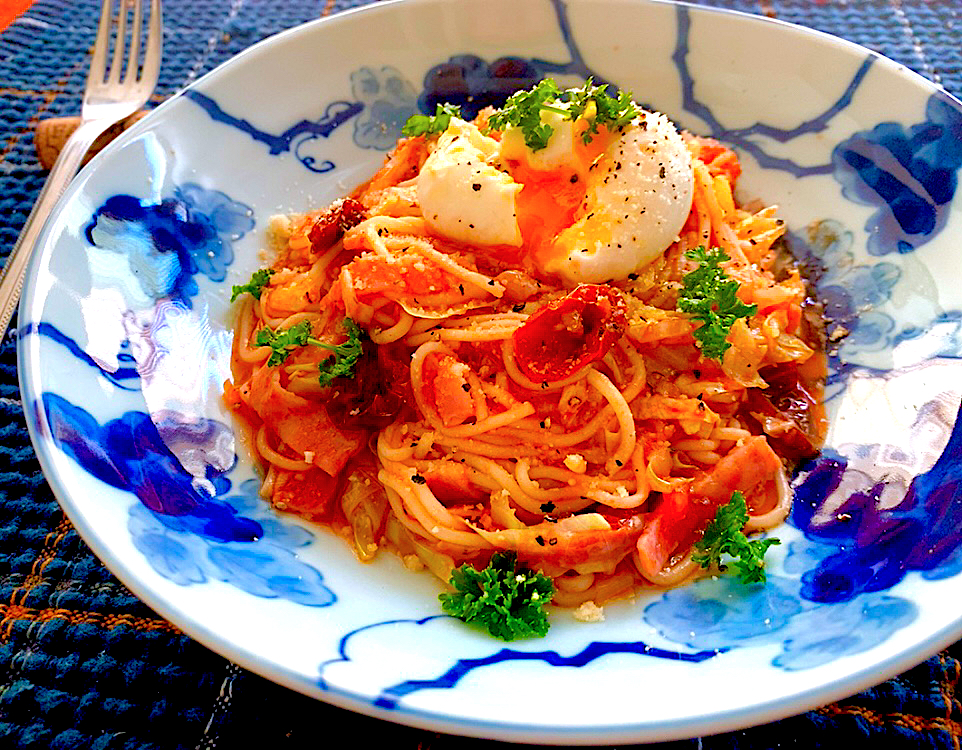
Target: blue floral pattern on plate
167, 244
910, 174
266, 567
388, 100
188, 524
718, 612
463, 666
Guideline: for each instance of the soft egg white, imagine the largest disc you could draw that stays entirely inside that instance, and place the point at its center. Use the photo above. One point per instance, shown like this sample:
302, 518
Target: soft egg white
462, 193
639, 195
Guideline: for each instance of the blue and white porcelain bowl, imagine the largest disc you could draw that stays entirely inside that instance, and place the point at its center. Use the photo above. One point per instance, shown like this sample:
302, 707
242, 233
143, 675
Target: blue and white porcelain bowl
124, 345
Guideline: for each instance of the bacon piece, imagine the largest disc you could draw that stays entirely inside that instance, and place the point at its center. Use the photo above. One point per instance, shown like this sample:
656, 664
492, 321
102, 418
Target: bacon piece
452, 396
571, 542
401, 164
742, 469
310, 493
679, 518
451, 484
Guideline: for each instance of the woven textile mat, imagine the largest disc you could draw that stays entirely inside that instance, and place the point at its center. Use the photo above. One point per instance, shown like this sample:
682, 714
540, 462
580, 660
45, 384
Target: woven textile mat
84, 664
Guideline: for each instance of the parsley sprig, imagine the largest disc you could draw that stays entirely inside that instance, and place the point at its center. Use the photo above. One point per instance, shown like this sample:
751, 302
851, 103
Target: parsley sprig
505, 597
523, 110
431, 124
344, 356
724, 536
255, 286
709, 296
283, 341
614, 112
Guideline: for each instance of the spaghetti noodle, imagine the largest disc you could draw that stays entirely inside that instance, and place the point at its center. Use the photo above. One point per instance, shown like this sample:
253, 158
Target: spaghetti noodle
497, 405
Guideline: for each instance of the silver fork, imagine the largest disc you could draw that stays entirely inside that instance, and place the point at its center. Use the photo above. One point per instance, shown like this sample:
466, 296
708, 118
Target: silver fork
108, 98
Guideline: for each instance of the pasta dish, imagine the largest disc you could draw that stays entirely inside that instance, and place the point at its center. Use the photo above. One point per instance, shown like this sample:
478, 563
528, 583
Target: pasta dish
551, 330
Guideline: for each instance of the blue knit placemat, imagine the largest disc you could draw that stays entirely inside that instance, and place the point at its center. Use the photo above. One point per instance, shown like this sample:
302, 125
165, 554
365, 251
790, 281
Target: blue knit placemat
84, 664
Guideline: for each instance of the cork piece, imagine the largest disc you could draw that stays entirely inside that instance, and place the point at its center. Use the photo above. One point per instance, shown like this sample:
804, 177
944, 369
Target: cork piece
52, 133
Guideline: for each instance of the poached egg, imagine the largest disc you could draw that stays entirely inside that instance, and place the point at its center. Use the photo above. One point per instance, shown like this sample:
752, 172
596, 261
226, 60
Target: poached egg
634, 189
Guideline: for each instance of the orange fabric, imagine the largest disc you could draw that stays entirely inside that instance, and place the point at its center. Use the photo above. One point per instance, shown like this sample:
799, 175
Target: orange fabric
10, 10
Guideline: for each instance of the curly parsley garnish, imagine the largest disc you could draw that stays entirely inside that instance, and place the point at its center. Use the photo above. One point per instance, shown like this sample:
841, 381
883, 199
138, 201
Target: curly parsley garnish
255, 286
724, 536
284, 341
431, 124
505, 598
614, 112
523, 110
709, 296
346, 354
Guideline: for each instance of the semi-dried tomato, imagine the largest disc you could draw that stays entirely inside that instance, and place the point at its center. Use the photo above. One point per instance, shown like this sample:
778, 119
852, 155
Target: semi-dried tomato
794, 402
331, 225
570, 333
379, 391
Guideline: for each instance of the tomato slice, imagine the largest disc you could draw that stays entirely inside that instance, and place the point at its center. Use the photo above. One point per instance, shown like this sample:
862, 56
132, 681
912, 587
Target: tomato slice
570, 333
793, 399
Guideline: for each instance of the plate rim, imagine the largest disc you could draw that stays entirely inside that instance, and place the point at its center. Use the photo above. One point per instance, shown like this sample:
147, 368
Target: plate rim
46, 452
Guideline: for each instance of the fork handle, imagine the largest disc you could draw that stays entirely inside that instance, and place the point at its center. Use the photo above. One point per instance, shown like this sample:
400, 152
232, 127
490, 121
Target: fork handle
61, 173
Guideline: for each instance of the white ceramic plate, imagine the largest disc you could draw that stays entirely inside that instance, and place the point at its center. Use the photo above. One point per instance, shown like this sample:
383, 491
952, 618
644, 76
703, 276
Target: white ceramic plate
123, 349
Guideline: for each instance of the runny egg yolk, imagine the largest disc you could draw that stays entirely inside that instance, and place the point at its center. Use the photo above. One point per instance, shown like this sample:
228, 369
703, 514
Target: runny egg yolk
587, 212
550, 200
609, 208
